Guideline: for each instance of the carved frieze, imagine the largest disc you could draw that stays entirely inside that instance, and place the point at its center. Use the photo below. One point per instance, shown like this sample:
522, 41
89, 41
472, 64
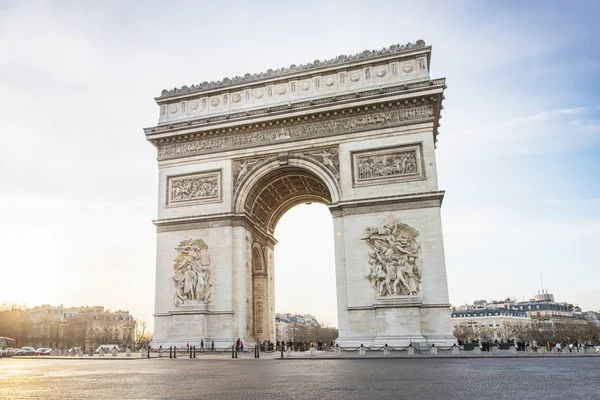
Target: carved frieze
191, 274
393, 269
196, 188
387, 165
379, 119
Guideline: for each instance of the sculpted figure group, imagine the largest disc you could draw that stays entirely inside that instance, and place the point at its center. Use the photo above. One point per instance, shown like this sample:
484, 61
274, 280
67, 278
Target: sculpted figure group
191, 273
404, 163
194, 189
392, 262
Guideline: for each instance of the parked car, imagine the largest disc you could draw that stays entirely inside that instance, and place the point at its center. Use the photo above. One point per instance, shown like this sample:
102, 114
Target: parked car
47, 352
26, 351
10, 352
41, 351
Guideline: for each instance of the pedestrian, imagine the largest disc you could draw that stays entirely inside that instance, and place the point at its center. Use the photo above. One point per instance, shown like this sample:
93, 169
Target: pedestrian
201, 345
212, 346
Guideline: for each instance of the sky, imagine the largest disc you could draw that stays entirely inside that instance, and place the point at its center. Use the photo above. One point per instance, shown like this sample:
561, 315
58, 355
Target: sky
518, 152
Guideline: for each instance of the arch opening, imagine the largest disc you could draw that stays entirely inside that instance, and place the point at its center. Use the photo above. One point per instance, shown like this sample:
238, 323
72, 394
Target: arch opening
280, 190
268, 198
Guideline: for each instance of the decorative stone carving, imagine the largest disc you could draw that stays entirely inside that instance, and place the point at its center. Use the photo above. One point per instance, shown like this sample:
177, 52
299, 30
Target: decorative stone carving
379, 119
408, 67
191, 274
387, 165
195, 188
393, 269
329, 158
395, 48
241, 168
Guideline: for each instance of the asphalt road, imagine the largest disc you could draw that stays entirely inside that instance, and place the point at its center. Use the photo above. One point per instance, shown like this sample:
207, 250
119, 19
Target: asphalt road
495, 378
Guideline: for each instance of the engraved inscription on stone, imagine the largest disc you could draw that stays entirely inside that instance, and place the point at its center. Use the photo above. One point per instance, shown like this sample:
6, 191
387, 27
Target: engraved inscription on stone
393, 269
203, 187
387, 165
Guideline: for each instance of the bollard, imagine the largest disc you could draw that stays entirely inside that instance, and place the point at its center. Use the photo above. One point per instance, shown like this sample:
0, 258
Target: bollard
194, 351
174, 351
433, 350
190, 351
282, 346
170, 351
148, 352
233, 350
361, 350
454, 350
338, 350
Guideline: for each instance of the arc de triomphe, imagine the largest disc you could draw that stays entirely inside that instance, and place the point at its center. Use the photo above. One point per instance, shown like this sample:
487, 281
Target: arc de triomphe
356, 133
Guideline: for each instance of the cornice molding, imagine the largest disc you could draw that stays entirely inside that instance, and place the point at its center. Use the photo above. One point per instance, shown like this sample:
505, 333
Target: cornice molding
293, 69
305, 105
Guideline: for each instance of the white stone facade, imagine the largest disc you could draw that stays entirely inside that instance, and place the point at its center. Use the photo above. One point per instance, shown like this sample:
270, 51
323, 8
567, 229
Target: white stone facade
365, 147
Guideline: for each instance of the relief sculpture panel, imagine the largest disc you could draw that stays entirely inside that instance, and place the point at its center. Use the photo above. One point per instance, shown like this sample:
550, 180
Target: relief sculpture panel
203, 187
387, 165
191, 274
393, 269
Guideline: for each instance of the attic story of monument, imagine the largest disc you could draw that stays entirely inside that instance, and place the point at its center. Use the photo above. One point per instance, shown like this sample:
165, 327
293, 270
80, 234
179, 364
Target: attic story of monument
356, 133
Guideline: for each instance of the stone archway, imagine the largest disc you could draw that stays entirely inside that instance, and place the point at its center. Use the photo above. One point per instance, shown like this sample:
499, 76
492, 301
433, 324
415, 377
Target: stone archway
356, 133
274, 190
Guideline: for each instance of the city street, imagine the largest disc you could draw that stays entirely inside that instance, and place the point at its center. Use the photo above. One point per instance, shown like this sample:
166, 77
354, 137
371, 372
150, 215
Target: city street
184, 378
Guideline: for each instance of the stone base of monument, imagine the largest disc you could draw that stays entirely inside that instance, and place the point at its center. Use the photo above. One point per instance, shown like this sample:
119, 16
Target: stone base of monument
362, 351
337, 351
495, 350
411, 351
477, 350
433, 351
455, 351
288, 352
128, 352
541, 350
313, 351
512, 350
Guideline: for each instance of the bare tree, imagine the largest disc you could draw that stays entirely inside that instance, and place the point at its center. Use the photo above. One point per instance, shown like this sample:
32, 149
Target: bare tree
142, 336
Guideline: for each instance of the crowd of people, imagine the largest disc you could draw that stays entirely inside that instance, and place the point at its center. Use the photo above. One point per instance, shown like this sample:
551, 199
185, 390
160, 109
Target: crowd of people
521, 345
